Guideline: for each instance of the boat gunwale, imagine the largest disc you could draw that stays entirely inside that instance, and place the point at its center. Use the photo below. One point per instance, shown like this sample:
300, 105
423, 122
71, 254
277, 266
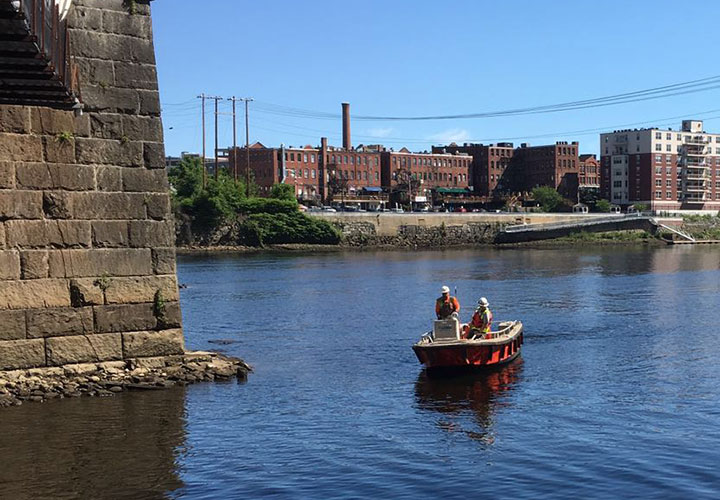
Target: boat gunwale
517, 327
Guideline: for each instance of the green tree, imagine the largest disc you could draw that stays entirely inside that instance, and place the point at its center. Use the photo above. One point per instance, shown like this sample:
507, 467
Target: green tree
603, 206
549, 199
282, 192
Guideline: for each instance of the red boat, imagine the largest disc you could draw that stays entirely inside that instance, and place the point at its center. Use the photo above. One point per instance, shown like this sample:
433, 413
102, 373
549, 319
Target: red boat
444, 349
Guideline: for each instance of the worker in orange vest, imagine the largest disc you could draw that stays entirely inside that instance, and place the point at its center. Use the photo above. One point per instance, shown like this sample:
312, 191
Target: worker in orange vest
481, 320
446, 305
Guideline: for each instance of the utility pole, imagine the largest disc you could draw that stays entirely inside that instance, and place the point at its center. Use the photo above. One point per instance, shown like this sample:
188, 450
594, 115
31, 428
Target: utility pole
247, 101
204, 179
217, 168
235, 151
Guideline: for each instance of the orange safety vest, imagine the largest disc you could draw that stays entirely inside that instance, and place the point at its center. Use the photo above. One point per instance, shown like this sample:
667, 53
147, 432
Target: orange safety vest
482, 320
444, 308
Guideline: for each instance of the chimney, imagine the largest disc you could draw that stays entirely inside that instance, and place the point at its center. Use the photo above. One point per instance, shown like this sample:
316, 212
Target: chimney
346, 125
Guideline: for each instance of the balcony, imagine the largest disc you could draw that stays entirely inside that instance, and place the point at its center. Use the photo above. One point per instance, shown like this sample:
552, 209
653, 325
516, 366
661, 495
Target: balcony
35, 65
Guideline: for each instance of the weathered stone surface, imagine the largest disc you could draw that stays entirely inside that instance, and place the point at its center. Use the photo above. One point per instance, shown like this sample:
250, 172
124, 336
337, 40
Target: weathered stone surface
142, 128
110, 234
100, 262
164, 260
34, 293
86, 292
171, 317
48, 121
144, 234
55, 176
16, 147
141, 289
106, 125
86, 19
48, 233
59, 322
148, 344
12, 325
16, 354
109, 206
20, 205
83, 349
33, 264
59, 150
122, 24
125, 318
142, 7
9, 265
95, 72
14, 119
7, 175
109, 152
57, 205
154, 155
158, 206
110, 46
144, 180
110, 99
149, 102
109, 178
2, 235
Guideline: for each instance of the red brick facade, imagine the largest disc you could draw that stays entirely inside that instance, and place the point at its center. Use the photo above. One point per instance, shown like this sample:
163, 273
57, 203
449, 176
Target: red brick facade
589, 173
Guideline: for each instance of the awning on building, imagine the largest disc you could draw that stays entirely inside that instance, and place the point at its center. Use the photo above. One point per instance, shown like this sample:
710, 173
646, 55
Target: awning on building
371, 189
452, 191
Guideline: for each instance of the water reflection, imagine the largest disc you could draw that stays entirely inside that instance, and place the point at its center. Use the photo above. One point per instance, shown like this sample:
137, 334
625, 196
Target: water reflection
127, 446
477, 394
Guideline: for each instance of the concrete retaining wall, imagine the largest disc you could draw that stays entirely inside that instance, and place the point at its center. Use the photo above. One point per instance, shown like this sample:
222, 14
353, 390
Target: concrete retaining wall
87, 258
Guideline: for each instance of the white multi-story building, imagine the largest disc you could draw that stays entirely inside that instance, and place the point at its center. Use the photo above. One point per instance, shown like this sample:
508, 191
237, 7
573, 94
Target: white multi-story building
666, 170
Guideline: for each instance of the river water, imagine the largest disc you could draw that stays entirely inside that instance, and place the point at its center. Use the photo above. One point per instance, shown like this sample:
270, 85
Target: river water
616, 393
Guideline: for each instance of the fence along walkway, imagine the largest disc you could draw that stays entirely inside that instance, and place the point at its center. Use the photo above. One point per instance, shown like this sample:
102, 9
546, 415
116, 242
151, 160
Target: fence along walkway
535, 232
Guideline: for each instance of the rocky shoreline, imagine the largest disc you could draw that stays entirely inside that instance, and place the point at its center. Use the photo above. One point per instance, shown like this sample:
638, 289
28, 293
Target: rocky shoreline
112, 377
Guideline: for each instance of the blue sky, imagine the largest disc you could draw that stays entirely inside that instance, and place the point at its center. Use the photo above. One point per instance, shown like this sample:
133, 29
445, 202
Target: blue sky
408, 58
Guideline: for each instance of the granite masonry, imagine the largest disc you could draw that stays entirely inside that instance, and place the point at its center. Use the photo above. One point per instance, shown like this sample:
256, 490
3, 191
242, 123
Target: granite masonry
87, 257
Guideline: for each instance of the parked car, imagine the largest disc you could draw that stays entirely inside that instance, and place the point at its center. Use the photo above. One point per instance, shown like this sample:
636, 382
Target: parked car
460, 209
424, 209
397, 210
328, 209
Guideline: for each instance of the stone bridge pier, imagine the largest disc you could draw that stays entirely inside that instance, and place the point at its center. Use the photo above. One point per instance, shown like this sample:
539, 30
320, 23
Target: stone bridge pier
87, 258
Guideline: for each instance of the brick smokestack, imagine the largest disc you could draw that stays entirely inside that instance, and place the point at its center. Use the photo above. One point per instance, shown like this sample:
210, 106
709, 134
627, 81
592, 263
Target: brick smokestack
347, 144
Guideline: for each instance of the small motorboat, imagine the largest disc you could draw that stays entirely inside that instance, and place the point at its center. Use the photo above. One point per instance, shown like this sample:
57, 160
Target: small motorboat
445, 349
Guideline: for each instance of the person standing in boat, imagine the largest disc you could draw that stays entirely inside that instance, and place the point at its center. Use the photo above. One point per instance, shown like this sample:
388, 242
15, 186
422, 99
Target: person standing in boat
446, 305
481, 320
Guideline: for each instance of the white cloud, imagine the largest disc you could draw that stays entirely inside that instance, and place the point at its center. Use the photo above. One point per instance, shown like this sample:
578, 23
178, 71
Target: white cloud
380, 132
451, 135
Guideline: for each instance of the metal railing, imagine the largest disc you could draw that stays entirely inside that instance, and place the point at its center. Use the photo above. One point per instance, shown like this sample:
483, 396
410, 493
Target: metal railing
50, 32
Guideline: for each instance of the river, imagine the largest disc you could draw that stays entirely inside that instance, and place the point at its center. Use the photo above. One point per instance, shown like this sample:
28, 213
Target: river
616, 393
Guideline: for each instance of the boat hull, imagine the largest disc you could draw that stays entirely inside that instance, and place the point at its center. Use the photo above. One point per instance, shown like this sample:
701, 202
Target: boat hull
465, 354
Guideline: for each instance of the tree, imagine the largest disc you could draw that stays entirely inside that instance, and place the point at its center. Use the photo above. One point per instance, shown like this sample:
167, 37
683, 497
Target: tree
406, 183
603, 206
589, 195
337, 185
549, 199
282, 192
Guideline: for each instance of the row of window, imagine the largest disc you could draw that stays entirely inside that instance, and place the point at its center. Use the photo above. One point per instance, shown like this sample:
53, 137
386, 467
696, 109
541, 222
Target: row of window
679, 137
428, 162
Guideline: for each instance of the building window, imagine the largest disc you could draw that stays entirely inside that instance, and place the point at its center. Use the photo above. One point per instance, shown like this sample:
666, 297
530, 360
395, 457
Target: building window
668, 147
305, 158
658, 147
668, 195
668, 136
312, 158
658, 182
292, 156
658, 135
617, 184
658, 194
333, 159
377, 176
312, 173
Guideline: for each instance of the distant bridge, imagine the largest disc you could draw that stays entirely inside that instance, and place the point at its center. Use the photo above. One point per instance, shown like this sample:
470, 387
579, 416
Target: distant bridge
534, 232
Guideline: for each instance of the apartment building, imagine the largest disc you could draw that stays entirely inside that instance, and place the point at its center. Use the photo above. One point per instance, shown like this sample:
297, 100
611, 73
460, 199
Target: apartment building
589, 171
490, 165
666, 170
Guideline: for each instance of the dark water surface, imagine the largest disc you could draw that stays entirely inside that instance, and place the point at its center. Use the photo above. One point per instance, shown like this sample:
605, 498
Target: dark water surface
617, 393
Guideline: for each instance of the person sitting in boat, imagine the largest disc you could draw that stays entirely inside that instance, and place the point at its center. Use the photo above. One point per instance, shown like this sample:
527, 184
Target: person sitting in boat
481, 320
446, 305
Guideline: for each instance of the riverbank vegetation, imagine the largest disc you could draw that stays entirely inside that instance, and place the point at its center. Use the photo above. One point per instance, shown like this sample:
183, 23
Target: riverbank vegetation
220, 213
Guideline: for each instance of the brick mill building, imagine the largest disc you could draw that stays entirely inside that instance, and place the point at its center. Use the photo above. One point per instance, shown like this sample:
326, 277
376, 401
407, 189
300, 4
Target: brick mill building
666, 170
589, 172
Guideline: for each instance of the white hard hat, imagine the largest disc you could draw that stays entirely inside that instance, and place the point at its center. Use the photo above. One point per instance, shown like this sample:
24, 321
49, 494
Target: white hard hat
483, 302
445, 289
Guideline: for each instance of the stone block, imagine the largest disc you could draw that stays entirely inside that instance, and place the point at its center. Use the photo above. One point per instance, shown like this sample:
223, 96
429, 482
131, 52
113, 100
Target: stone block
110, 99
55, 176
143, 128
109, 206
48, 121
59, 150
12, 325
154, 155
34, 293
158, 206
106, 125
143, 180
2, 235
100, 262
9, 265
164, 260
150, 344
85, 19
109, 178
110, 234
20, 205
17, 354
15, 119
108, 46
150, 234
57, 205
7, 175
15, 147
149, 102
134, 290
172, 317
33, 264
59, 322
122, 24
83, 349
109, 152
48, 233
86, 292
142, 7
95, 72
136, 76
125, 318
